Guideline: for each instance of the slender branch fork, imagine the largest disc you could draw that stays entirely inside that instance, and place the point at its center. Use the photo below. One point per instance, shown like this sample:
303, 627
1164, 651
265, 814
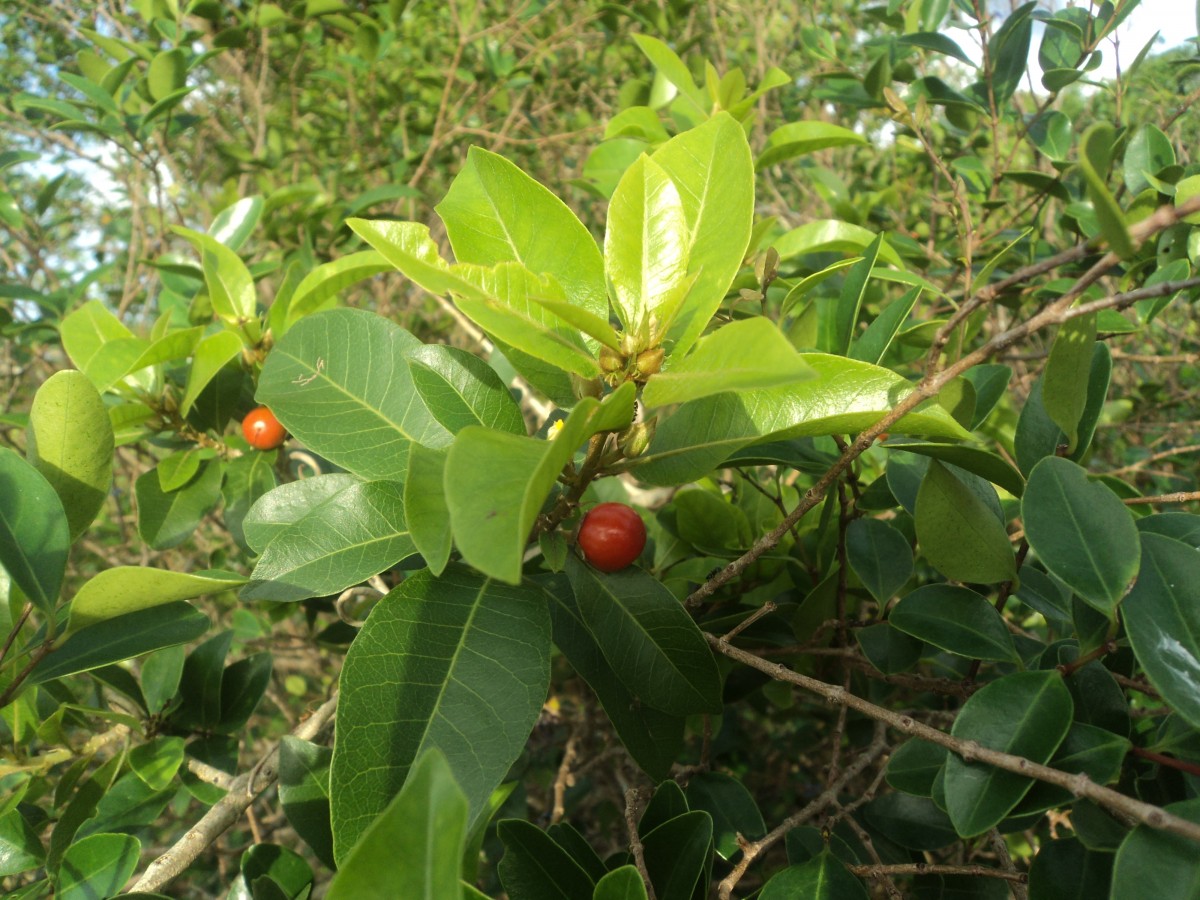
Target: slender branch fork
227, 810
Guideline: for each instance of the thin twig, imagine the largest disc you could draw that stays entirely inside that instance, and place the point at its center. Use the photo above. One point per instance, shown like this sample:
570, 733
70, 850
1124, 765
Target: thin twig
635, 842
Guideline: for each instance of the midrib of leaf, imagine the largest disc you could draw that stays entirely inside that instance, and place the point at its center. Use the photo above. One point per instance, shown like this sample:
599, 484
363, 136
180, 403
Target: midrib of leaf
10, 535
658, 652
361, 401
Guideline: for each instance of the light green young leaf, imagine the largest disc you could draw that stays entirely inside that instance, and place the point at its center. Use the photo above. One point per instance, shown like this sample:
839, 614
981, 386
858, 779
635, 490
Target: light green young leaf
212, 354
1095, 154
425, 506
70, 441
493, 507
496, 213
100, 345
126, 589
825, 235
230, 284
959, 532
743, 355
672, 68
797, 138
645, 247
235, 223
329, 279
712, 168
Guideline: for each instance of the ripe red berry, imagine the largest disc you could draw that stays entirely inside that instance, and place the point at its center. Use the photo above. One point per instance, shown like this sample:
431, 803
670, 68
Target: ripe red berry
611, 536
262, 429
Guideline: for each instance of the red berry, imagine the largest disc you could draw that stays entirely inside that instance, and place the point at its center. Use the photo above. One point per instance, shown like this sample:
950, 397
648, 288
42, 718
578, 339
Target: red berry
612, 536
262, 429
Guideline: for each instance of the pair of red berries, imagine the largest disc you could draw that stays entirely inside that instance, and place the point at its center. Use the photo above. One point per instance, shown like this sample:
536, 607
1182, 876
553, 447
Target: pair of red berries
262, 430
611, 536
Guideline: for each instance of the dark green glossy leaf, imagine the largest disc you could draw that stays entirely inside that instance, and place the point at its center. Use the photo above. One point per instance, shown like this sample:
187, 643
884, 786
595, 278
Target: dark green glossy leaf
1025, 714
677, 854
1183, 527
648, 638
534, 867
1152, 863
823, 877
914, 765
1081, 532
167, 520
624, 883
668, 801
973, 459
955, 619
273, 872
34, 532
304, 793
880, 556
1162, 618
201, 684
732, 808
20, 848
1067, 870
910, 821
121, 638
889, 649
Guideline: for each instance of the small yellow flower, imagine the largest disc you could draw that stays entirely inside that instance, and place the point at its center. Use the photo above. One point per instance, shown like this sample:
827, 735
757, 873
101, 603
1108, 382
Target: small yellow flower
555, 428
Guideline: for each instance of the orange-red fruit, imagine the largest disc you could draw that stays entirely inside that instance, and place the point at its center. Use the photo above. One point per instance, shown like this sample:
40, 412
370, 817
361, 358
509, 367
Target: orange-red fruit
262, 429
611, 536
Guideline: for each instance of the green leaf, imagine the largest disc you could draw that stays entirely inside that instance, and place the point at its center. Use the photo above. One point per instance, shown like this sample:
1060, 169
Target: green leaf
493, 507
211, 355
236, 222
1154, 863
935, 41
976, 460
956, 620
496, 213
841, 326
880, 556
157, 761
242, 687
888, 649
415, 847
125, 589
200, 689
743, 355
34, 535
873, 343
672, 68
425, 506
798, 138
846, 396
459, 663
71, 444
1162, 619
273, 872
247, 478
1025, 714
732, 807
990, 381
178, 468
20, 848
825, 235
167, 73
1067, 870
339, 382
99, 344
645, 249
914, 766
167, 520
1081, 531
648, 639
287, 504
230, 284
624, 883
534, 867
1095, 154
824, 877
1148, 152
653, 738
712, 168
304, 793
97, 866
121, 638
915, 823
1068, 371
460, 389
958, 530
329, 279
1008, 54
356, 533
677, 855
